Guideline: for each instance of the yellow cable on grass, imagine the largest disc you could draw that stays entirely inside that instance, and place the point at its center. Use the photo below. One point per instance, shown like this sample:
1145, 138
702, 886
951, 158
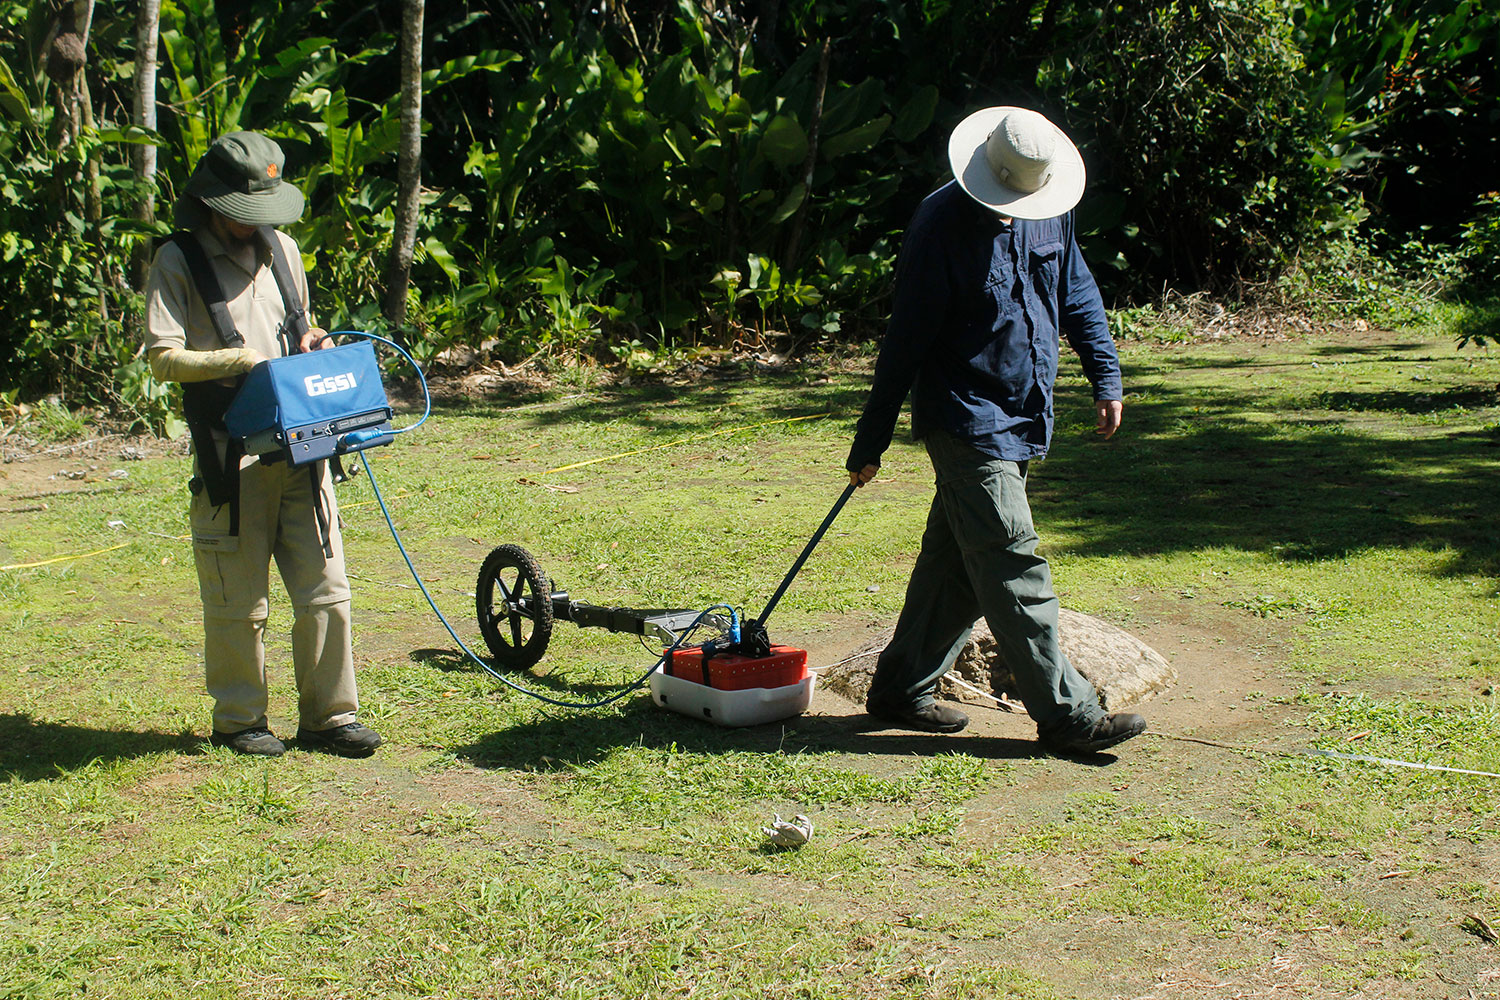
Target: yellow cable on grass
58, 559
686, 440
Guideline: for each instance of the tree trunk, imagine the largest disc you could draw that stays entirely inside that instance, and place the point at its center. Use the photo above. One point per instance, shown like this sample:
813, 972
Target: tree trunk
408, 164
65, 61
142, 156
93, 210
739, 38
794, 242
68, 66
765, 41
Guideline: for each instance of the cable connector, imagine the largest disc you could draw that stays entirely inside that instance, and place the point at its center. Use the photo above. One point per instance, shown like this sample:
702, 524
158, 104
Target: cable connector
361, 439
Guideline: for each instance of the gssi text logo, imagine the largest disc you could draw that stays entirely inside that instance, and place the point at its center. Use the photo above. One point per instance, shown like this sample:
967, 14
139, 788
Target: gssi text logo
319, 385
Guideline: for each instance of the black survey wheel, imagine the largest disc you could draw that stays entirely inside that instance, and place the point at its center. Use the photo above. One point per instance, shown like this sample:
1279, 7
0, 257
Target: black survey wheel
514, 601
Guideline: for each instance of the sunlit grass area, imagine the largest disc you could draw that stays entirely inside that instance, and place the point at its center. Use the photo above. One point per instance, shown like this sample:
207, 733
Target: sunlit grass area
1323, 510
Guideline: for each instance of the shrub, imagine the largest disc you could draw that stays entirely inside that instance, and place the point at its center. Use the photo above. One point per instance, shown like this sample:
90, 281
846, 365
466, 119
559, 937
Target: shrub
1480, 249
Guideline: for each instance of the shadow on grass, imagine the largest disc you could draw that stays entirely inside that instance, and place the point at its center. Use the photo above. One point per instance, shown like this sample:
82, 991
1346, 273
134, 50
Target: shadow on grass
444, 660
681, 409
1195, 469
538, 678
38, 751
1413, 401
556, 743
1387, 353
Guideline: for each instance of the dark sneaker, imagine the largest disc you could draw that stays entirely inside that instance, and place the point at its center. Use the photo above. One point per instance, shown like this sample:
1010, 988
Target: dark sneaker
352, 740
259, 741
1102, 735
932, 718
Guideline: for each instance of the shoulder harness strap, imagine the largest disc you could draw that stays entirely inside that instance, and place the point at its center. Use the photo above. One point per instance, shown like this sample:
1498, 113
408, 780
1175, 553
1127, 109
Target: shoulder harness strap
203, 406
208, 287
295, 324
204, 403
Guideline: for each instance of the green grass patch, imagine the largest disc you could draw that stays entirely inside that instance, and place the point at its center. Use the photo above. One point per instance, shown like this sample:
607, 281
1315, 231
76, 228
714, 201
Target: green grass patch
1322, 509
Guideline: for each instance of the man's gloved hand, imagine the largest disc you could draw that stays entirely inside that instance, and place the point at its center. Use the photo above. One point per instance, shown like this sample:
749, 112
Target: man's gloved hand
176, 364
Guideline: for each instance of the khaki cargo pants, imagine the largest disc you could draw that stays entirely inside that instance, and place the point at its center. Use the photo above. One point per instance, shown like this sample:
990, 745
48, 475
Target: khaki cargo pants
277, 521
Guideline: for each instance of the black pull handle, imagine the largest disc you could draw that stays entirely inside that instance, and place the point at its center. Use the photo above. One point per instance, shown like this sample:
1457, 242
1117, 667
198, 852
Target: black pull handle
812, 543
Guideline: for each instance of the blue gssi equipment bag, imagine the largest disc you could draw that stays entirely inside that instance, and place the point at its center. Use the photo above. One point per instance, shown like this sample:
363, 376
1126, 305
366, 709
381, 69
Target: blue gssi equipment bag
320, 404
276, 414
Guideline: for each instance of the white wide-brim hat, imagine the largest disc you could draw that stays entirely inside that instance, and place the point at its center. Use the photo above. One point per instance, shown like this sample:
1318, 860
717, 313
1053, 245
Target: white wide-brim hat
1017, 163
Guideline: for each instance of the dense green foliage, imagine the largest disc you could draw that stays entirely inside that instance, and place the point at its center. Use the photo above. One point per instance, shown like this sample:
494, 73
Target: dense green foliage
653, 176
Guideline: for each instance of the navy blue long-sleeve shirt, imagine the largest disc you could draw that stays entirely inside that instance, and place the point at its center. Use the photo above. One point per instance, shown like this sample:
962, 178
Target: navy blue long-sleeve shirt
973, 334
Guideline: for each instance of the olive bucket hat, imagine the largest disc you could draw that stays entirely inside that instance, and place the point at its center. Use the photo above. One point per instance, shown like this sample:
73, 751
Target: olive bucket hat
1017, 163
240, 178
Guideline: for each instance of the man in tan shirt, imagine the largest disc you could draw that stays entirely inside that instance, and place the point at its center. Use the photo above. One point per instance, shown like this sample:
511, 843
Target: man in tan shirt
245, 513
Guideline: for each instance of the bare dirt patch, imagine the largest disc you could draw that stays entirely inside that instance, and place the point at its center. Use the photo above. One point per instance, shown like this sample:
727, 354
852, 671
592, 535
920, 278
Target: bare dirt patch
34, 473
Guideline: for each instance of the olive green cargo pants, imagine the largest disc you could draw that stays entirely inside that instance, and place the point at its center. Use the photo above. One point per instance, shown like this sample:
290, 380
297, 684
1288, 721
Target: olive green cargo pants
979, 557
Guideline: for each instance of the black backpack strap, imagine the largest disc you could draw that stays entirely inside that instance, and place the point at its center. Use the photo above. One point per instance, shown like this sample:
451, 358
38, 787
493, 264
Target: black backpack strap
203, 405
325, 531
208, 287
295, 324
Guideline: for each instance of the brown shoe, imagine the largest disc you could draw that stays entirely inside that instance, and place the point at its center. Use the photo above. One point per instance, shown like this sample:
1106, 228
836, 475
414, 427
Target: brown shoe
932, 718
1107, 732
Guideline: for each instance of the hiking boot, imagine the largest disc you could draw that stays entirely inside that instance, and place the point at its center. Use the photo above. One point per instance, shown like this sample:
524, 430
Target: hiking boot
1102, 735
932, 718
257, 741
351, 740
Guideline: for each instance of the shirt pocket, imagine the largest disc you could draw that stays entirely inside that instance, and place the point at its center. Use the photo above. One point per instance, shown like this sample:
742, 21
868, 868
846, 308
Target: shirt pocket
989, 298
1044, 264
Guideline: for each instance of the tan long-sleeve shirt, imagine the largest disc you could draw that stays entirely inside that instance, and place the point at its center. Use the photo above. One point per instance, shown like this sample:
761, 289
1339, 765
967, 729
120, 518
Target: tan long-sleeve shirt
177, 317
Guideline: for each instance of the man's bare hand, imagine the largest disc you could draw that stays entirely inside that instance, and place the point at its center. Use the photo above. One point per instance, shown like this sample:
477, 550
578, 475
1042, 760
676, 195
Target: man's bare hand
863, 475
1109, 413
313, 340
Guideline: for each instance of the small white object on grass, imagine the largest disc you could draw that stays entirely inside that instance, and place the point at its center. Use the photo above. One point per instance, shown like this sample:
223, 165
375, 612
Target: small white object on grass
794, 834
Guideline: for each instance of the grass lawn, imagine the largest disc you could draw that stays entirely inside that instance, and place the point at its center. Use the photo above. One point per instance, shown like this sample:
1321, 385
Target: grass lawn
1307, 529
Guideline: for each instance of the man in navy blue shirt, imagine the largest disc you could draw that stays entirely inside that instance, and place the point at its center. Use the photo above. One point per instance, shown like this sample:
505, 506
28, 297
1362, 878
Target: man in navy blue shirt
988, 276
